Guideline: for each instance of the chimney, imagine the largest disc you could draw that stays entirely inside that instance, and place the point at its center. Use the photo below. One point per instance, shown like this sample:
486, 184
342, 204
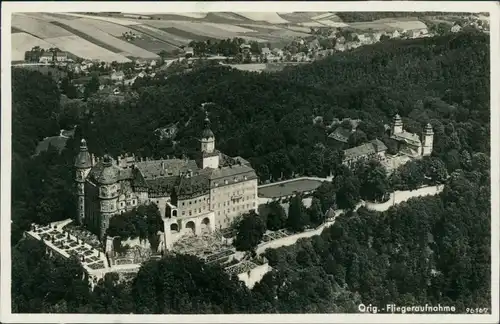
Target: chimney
119, 160
162, 165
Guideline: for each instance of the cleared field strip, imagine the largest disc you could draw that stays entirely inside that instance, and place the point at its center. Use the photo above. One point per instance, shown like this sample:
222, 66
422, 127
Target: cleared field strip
229, 27
107, 27
100, 38
261, 28
271, 17
85, 49
87, 37
331, 23
312, 24
37, 27
22, 42
119, 21
299, 29
187, 35
194, 28
163, 35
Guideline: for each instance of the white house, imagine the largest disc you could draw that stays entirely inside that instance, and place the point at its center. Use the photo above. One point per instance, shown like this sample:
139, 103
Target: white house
456, 28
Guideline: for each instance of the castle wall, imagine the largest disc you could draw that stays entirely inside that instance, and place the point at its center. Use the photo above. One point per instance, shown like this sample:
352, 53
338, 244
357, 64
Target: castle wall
231, 200
194, 206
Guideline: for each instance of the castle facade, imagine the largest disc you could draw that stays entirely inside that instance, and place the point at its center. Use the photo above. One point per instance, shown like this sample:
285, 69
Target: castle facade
198, 195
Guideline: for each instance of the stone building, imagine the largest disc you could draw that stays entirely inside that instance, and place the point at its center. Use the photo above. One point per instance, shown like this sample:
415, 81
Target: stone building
410, 143
192, 195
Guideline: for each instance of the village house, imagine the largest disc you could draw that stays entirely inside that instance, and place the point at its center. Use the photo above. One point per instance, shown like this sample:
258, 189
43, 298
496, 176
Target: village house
314, 45
265, 51
372, 150
245, 48
117, 76
140, 64
153, 63
142, 74
277, 52
61, 57
47, 57
188, 52
456, 28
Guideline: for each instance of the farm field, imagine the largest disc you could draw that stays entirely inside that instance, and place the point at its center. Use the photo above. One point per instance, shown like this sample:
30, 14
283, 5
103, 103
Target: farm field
270, 17
106, 26
22, 42
119, 21
162, 35
85, 49
186, 34
36, 27
100, 38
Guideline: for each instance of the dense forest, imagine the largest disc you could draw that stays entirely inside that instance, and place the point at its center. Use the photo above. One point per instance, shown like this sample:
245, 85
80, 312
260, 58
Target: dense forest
432, 249
357, 16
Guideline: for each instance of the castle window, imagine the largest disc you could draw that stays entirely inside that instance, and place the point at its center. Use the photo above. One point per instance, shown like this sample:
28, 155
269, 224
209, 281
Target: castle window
182, 204
183, 213
199, 210
190, 202
190, 213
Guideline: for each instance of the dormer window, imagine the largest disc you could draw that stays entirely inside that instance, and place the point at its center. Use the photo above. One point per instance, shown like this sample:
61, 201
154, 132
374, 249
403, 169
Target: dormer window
225, 182
245, 178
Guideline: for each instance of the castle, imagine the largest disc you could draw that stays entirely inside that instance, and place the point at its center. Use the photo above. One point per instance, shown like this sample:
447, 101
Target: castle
409, 144
198, 195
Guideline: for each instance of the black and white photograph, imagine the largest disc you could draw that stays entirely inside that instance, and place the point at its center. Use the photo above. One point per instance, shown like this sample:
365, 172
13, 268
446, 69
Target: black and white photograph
264, 162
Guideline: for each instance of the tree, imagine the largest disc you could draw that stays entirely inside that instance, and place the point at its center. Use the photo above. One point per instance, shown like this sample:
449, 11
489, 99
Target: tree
297, 216
91, 87
316, 214
374, 184
251, 229
326, 195
276, 219
357, 138
435, 170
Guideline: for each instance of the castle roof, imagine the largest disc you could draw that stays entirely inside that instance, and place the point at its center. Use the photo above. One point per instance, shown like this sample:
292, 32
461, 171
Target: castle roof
372, 147
207, 132
409, 138
83, 160
193, 185
105, 172
165, 168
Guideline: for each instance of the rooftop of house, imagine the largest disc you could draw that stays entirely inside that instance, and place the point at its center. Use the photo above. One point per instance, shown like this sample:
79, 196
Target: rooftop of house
373, 147
341, 134
266, 50
409, 138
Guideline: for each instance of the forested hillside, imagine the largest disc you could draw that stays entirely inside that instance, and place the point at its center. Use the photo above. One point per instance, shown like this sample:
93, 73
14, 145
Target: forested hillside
432, 249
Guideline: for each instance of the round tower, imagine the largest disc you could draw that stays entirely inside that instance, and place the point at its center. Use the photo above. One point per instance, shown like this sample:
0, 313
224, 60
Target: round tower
427, 140
83, 165
207, 138
209, 156
397, 125
108, 193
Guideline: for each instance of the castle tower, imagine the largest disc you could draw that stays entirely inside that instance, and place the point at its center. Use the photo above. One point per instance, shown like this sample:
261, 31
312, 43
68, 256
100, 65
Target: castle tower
397, 125
427, 140
83, 164
108, 193
209, 157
